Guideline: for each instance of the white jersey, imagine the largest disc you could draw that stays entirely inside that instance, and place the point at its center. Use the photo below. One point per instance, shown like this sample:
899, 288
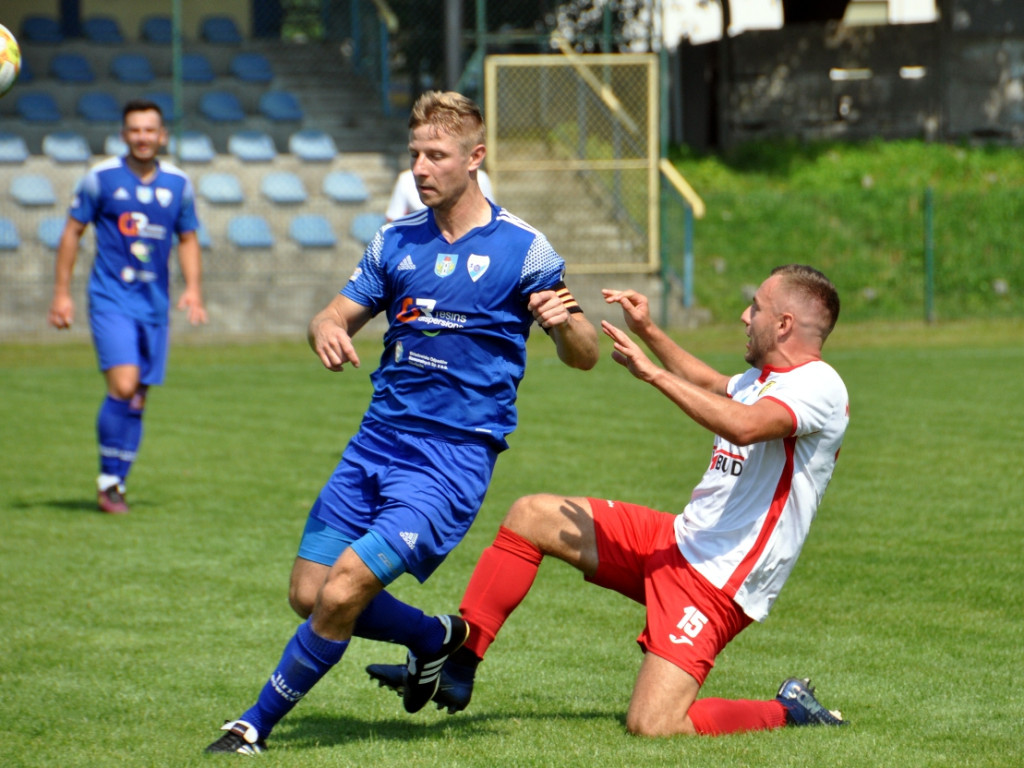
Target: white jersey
405, 198
749, 515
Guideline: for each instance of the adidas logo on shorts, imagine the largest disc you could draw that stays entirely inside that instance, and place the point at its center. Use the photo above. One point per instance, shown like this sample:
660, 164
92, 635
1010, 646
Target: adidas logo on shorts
409, 538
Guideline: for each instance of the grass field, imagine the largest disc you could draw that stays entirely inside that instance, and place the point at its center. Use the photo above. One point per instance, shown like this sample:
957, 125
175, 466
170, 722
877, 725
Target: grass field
127, 641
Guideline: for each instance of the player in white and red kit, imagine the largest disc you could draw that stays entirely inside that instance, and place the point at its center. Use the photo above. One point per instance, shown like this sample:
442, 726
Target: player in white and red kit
708, 572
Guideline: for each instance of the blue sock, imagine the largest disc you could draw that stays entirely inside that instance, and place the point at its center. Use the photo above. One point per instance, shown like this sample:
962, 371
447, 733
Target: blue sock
390, 620
306, 659
111, 428
132, 439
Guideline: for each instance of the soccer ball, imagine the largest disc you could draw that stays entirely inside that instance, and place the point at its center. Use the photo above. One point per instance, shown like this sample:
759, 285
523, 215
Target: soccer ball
10, 59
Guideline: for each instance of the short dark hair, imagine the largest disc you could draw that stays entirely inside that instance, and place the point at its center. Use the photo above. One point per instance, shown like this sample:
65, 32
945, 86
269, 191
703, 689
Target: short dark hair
813, 284
141, 105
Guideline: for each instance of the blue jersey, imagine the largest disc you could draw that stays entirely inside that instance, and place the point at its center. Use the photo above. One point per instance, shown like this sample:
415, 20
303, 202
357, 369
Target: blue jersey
455, 346
135, 225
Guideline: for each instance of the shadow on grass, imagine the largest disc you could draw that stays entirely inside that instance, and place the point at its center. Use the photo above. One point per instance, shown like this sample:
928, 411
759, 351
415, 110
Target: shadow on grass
78, 504
315, 730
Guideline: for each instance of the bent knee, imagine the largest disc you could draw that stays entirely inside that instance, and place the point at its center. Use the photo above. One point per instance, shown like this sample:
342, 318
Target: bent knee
661, 725
301, 601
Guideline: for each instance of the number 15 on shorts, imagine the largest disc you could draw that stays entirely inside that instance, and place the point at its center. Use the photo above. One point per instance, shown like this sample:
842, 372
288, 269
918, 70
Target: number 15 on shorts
691, 624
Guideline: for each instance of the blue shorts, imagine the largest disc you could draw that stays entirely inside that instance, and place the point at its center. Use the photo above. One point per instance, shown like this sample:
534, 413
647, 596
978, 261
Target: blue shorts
122, 340
416, 495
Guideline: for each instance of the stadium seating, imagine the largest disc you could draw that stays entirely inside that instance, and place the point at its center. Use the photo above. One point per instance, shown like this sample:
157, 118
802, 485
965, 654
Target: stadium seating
252, 146
283, 188
67, 67
251, 67
203, 234
132, 68
250, 231
9, 240
164, 100
312, 146
280, 106
99, 107
365, 226
221, 107
196, 68
103, 30
13, 149
311, 230
49, 231
345, 187
66, 147
221, 188
196, 147
41, 29
114, 145
156, 29
220, 30
37, 107
32, 189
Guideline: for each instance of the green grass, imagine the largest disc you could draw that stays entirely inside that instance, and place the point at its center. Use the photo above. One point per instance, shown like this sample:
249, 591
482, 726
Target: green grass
126, 641
858, 212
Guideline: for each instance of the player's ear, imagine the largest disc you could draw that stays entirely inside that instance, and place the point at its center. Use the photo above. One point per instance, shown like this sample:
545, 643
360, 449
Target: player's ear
476, 156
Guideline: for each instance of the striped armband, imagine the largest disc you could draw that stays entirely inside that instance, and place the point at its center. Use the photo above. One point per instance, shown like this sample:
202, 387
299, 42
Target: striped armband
567, 299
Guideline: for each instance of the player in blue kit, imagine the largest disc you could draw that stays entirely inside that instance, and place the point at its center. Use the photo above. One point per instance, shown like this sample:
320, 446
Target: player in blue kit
137, 204
461, 283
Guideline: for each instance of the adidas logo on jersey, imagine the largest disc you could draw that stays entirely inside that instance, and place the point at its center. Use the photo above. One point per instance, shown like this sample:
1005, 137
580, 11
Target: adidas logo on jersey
406, 263
409, 538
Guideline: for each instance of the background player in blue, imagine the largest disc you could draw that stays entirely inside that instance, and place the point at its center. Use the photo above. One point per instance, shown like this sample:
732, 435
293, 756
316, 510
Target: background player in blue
461, 283
137, 204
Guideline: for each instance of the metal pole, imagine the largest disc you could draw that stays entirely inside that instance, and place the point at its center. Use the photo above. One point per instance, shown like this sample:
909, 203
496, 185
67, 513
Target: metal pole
176, 90
452, 43
929, 255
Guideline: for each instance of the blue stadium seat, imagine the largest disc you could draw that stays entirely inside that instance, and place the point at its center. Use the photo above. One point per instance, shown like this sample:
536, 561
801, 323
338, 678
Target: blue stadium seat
345, 187
9, 240
250, 231
280, 106
66, 147
27, 74
99, 107
220, 30
114, 145
49, 231
203, 234
365, 226
196, 147
312, 146
252, 146
40, 29
221, 188
134, 68
37, 107
311, 230
33, 189
251, 67
164, 100
196, 68
103, 30
283, 188
221, 107
13, 149
156, 29
71, 68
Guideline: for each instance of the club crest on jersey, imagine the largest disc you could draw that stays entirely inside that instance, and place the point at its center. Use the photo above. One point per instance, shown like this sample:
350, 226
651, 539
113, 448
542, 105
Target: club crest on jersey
164, 196
445, 264
477, 265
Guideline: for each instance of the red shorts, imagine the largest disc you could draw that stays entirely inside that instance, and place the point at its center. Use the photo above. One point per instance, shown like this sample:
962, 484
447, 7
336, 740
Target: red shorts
689, 621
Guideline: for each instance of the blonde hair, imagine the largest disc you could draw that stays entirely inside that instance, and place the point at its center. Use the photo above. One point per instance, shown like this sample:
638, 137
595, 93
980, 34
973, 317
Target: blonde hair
452, 114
